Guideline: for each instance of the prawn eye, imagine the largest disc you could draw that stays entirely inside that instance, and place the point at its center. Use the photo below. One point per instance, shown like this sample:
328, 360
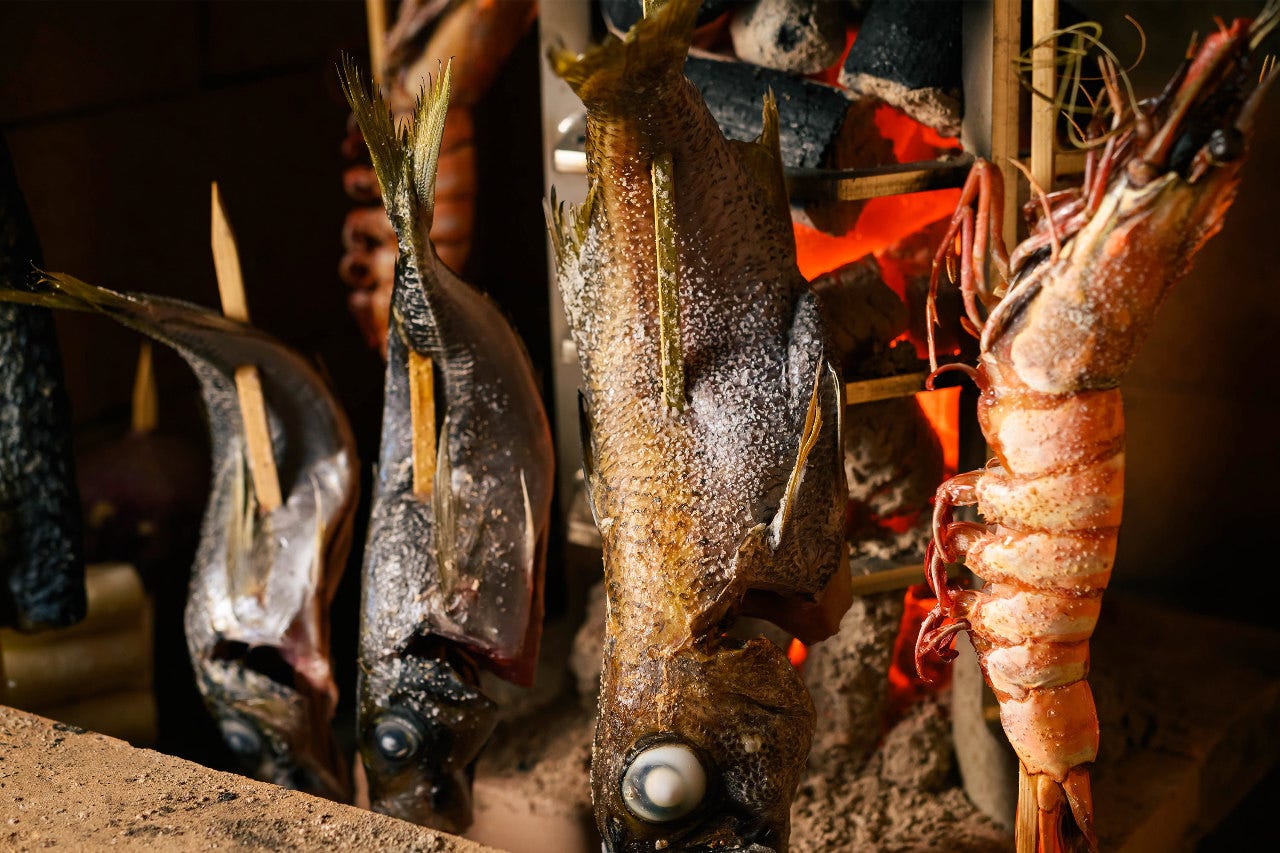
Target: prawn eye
663, 782
242, 738
396, 739
1226, 144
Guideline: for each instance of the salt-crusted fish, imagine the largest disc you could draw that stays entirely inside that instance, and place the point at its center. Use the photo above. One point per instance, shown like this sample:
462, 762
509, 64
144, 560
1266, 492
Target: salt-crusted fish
456, 551
711, 425
257, 617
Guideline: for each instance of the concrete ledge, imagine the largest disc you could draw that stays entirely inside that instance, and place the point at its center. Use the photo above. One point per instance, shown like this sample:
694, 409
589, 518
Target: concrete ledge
63, 787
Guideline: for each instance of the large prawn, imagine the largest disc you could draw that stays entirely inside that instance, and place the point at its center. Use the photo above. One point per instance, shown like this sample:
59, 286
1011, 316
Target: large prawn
1075, 302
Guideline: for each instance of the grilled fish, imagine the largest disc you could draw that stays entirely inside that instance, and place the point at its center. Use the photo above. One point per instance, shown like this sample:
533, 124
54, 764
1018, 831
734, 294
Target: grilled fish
41, 550
453, 565
257, 608
711, 420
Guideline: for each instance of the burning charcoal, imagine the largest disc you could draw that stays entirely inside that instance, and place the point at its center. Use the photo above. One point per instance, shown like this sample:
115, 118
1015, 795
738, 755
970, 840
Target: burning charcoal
41, 539
908, 55
797, 36
812, 116
820, 125
622, 14
862, 315
894, 462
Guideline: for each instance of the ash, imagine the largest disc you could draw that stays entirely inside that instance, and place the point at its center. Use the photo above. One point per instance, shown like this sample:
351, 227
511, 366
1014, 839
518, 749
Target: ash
904, 797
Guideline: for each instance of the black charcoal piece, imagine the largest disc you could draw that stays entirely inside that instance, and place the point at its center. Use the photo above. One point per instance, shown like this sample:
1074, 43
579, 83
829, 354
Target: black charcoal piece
41, 538
622, 14
810, 114
796, 36
908, 54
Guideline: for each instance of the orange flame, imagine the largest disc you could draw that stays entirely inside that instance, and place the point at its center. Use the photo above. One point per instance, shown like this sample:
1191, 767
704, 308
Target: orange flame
797, 653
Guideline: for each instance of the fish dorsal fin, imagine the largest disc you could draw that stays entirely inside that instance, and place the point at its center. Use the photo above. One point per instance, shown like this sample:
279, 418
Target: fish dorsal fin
405, 154
762, 158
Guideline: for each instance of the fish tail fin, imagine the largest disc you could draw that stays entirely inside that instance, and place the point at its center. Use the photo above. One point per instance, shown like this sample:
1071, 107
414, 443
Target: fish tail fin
59, 290
404, 155
621, 69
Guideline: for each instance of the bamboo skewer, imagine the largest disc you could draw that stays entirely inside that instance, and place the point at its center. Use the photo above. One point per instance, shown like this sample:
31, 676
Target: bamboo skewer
422, 420
375, 12
146, 406
253, 408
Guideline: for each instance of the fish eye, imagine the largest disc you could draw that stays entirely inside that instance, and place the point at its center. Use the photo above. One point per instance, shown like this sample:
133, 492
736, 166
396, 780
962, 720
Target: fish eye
396, 738
242, 738
663, 783
1226, 144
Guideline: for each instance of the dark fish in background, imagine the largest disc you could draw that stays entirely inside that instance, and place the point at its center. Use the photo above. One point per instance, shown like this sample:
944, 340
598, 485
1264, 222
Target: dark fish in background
41, 531
711, 421
257, 617
454, 562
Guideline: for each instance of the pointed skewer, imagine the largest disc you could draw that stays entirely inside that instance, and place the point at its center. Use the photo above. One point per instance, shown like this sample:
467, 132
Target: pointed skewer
253, 409
146, 405
375, 13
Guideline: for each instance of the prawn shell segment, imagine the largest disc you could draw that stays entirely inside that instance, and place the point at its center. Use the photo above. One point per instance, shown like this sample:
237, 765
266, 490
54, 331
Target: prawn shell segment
1053, 730
1070, 563
1078, 499
1035, 434
1017, 670
1011, 616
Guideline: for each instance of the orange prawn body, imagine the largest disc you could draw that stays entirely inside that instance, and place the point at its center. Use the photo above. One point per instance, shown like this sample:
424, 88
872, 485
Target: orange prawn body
1082, 294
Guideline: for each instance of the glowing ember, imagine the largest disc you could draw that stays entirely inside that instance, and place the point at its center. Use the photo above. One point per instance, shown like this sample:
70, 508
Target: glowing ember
884, 221
797, 653
942, 408
905, 686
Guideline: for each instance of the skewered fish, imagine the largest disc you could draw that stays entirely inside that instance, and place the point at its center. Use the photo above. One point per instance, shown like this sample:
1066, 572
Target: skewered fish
454, 562
711, 419
257, 610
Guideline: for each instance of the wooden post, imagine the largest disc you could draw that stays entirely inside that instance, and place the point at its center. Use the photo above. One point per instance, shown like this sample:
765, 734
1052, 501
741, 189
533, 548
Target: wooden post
253, 408
1006, 45
1044, 114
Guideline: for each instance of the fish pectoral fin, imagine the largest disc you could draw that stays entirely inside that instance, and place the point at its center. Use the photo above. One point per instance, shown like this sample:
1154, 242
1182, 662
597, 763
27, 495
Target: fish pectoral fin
752, 559
568, 224
530, 533
444, 522
813, 423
